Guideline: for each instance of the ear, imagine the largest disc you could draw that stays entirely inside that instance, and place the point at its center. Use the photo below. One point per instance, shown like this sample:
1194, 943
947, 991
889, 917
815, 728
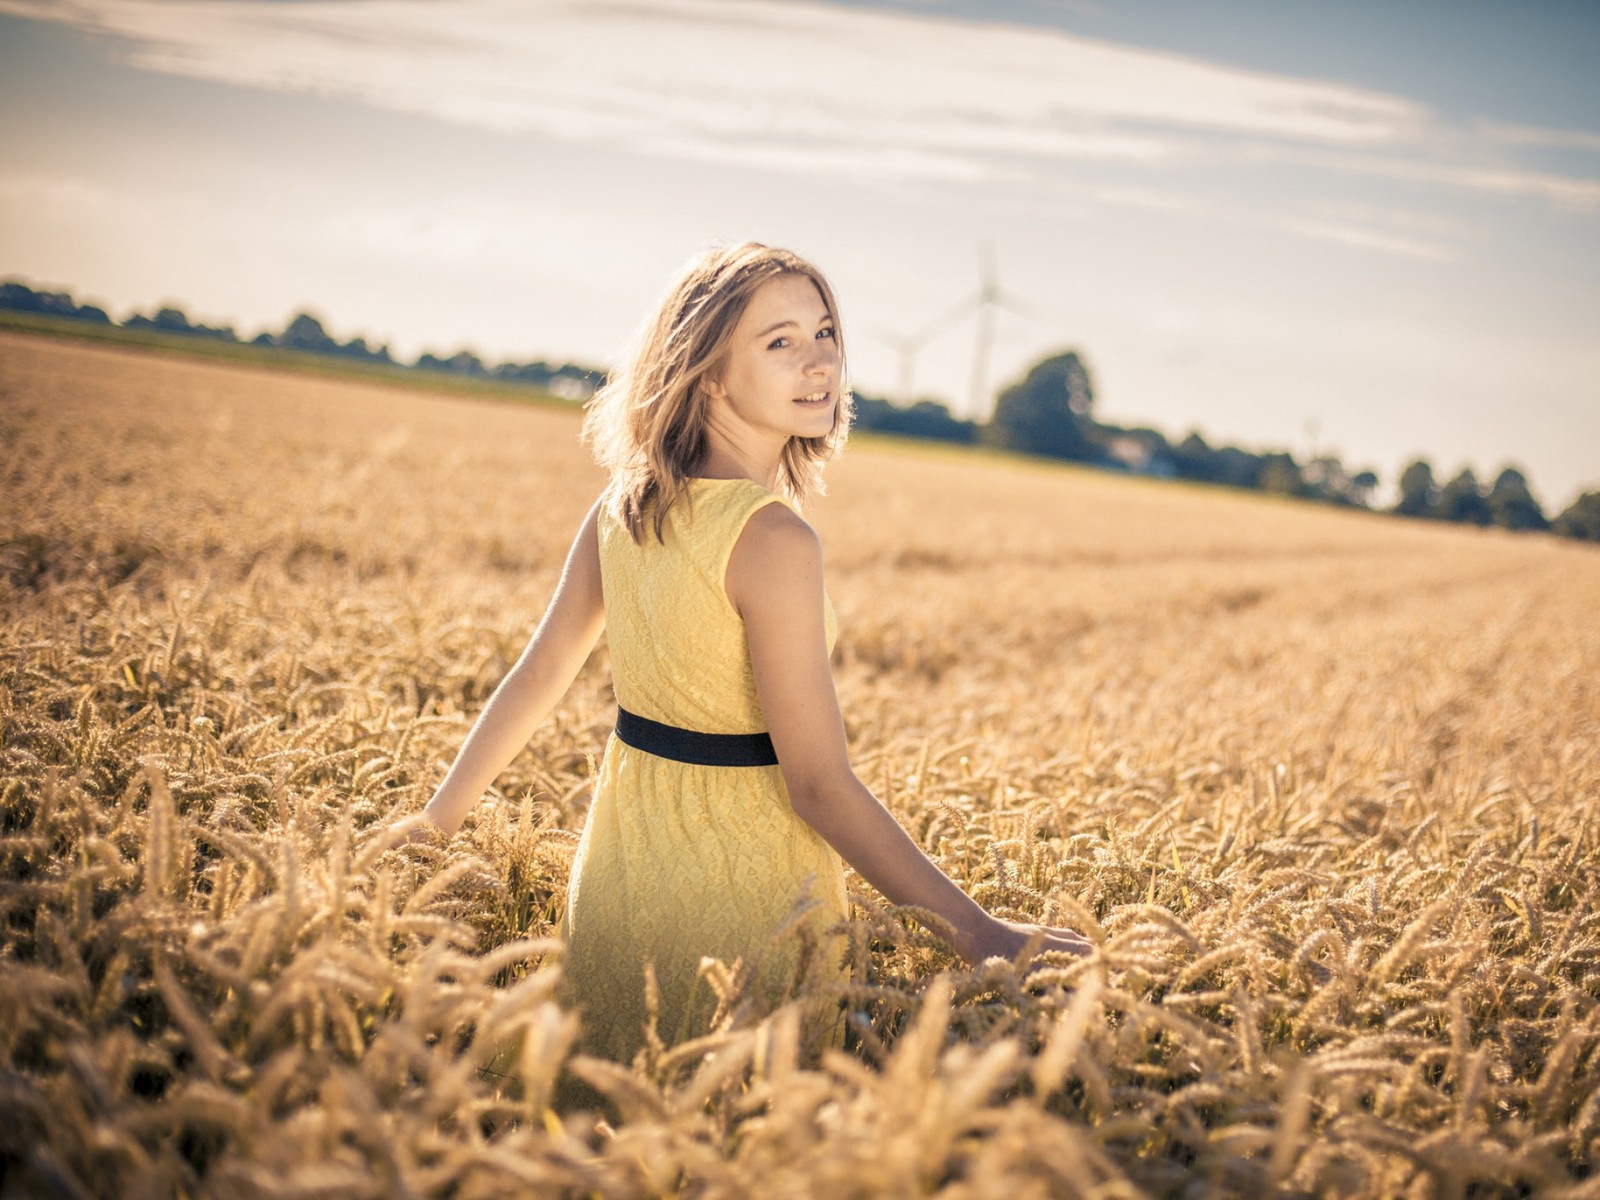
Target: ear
712, 387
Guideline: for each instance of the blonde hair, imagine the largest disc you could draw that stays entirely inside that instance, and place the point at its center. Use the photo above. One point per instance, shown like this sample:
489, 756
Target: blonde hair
647, 424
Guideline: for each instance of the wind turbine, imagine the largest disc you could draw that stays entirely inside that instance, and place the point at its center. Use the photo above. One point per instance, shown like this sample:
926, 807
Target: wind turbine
909, 345
984, 301
907, 348
989, 297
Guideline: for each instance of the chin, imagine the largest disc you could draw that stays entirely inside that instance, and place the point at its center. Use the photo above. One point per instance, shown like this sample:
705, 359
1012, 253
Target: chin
817, 430
823, 418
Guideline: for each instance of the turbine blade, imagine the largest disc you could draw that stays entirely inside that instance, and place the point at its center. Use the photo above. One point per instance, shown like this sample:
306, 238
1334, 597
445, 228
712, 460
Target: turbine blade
1016, 305
960, 312
884, 337
988, 271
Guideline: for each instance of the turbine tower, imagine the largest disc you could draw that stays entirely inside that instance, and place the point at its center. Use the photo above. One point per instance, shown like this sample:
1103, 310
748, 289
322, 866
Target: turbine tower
989, 297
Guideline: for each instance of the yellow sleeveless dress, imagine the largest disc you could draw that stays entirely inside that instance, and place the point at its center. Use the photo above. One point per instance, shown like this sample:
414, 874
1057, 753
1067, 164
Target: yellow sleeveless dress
679, 861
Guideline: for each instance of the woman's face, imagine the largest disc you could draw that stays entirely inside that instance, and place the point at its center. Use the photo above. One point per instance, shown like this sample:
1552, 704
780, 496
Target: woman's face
782, 372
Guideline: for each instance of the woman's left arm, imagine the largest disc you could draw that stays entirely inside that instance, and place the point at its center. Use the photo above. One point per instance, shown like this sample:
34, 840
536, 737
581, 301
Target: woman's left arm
775, 582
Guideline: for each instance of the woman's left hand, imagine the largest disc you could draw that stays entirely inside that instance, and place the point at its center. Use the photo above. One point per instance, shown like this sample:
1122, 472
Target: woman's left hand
1008, 939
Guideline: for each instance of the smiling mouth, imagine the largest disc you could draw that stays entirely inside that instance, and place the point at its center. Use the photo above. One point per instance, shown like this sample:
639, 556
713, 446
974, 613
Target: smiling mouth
815, 399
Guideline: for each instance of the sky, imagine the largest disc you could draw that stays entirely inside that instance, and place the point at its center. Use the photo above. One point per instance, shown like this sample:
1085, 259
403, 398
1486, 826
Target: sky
1369, 228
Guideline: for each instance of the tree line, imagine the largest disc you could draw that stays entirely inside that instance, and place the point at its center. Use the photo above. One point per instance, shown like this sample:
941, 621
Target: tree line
305, 333
1049, 413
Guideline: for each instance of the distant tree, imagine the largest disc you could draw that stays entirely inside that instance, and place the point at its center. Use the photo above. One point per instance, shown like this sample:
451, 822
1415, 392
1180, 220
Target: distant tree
168, 320
536, 373
1235, 467
462, 362
1462, 500
1048, 412
1281, 475
1325, 478
922, 419
575, 382
357, 348
305, 332
1139, 449
17, 296
172, 320
1362, 485
1581, 519
1194, 458
465, 362
1418, 492
1329, 480
1512, 505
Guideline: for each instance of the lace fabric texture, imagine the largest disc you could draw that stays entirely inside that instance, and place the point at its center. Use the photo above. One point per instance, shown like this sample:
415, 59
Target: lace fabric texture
679, 861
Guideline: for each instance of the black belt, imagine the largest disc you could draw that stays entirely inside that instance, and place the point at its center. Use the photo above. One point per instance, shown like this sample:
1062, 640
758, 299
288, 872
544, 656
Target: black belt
692, 746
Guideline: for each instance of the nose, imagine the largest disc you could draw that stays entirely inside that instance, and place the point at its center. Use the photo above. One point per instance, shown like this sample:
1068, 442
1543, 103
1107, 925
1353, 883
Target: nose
824, 356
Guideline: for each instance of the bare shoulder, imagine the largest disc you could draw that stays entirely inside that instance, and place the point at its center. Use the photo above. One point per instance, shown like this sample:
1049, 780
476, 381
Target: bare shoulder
583, 559
777, 529
776, 551
588, 534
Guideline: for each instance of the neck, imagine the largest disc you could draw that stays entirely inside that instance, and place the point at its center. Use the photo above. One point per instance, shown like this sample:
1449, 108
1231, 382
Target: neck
732, 456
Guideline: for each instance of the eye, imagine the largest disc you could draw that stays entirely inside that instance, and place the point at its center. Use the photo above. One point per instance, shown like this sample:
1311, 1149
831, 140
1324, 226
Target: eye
778, 343
827, 332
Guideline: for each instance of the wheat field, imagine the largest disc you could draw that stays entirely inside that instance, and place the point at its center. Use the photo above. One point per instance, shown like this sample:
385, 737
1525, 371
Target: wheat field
1322, 786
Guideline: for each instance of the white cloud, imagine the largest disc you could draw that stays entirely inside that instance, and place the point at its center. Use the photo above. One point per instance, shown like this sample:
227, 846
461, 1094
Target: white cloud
1530, 135
1150, 198
1559, 191
1370, 239
798, 84
484, 236
810, 88
81, 197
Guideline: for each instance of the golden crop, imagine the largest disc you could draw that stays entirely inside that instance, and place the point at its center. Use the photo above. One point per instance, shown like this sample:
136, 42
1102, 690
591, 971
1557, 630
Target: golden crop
1322, 785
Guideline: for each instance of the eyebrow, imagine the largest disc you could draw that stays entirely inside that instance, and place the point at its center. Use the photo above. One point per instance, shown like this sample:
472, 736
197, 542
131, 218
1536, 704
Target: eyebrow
824, 319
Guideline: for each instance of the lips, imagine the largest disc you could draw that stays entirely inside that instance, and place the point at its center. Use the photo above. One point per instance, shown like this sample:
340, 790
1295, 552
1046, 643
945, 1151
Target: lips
815, 399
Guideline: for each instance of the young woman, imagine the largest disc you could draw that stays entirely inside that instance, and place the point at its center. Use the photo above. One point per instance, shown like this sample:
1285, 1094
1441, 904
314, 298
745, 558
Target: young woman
725, 793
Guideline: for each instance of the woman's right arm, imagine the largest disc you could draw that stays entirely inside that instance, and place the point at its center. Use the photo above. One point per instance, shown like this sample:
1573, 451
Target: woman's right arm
541, 676
775, 582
